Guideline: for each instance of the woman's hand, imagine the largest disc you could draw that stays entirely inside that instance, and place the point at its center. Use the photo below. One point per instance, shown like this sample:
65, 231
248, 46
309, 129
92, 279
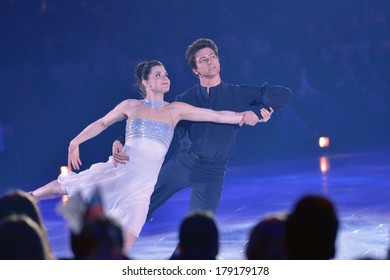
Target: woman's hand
74, 156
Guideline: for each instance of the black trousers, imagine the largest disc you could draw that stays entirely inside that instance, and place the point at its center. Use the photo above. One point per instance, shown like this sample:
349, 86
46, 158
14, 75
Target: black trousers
205, 177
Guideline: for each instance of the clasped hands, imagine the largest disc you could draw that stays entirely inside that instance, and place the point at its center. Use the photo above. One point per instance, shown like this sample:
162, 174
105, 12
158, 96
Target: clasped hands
250, 118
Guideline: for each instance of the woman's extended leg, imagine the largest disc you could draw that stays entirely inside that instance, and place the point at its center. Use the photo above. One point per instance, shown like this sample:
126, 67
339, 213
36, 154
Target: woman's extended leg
129, 241
48, 191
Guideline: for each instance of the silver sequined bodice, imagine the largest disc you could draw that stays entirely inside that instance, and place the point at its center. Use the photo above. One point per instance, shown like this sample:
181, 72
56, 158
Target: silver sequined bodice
149, 129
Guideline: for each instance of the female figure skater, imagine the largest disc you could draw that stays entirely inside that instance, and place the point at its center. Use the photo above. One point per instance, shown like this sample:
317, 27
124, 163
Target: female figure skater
126, 189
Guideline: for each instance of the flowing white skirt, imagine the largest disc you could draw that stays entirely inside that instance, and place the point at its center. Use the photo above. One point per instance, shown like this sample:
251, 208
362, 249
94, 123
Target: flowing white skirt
125, 189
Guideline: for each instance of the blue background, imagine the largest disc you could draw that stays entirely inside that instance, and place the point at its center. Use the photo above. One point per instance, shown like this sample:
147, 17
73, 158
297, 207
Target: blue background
64, 64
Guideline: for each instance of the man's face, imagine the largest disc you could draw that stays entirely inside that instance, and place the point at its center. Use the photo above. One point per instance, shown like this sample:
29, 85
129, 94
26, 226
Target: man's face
207, 63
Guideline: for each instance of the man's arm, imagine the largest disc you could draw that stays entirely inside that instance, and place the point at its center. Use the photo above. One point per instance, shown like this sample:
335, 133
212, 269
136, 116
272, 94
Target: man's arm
258, 98
274, 96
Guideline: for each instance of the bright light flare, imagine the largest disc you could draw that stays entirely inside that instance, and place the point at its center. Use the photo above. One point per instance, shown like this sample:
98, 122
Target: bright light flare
324, 164
324, 142
64, 172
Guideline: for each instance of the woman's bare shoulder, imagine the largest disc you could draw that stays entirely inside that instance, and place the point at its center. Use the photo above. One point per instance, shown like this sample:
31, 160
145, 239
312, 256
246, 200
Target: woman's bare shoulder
130, 102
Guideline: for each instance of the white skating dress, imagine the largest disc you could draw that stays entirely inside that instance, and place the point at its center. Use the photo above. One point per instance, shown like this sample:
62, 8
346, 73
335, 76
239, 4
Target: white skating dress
126, 189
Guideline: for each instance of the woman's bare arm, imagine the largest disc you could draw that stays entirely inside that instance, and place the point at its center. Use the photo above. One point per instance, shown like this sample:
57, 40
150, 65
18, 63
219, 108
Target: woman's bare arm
183, 111
94, 129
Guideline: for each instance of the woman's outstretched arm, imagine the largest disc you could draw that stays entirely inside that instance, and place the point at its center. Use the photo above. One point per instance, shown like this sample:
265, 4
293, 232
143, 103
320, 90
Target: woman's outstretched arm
183, 111
92, 130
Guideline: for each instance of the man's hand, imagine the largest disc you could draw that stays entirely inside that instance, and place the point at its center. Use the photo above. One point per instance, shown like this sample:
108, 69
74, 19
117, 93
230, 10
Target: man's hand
266, 115
117, 154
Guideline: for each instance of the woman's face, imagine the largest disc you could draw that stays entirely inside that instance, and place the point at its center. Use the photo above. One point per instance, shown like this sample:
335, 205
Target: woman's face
158, 80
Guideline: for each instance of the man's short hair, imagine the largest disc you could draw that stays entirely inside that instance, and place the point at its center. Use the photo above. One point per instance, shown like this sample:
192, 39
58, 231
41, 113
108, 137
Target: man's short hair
195, 47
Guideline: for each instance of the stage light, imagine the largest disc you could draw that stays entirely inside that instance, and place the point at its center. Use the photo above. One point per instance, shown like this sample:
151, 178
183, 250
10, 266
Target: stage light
64, 172
324, 142
324, 164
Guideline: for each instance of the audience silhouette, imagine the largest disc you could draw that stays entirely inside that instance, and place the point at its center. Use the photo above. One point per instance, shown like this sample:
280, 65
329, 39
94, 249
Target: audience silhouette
93, 235
17, 202
311, 229
101, 238
22, 239
266, 239
198, 238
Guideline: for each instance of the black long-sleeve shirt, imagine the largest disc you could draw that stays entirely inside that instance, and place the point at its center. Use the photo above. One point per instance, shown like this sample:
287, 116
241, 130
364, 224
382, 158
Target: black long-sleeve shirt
216, 141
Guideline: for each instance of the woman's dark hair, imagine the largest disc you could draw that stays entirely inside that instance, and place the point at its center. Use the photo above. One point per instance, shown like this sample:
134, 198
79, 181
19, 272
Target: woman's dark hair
195, 47
142, 72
